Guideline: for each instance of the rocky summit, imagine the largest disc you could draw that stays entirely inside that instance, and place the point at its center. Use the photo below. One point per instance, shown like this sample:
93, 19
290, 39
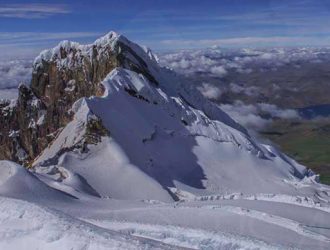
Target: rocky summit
60, 77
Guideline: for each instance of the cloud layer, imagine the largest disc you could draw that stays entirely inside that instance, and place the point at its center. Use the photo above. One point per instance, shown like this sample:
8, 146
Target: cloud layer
199, 61
272, 41
250, 115
209, 91
12, 73
218, 61
233, 97
29, 44
32, 11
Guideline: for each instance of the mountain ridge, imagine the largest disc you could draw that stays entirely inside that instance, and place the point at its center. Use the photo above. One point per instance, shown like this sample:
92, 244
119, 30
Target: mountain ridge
110, 102
60, 77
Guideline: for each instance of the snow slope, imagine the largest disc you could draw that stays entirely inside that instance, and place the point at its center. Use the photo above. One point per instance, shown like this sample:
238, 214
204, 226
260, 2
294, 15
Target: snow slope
166, 145
206, 222
235, 224
17, 182
28, 226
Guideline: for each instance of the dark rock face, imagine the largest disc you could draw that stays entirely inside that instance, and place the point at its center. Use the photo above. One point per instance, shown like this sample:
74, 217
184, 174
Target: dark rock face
70, 73
18, 124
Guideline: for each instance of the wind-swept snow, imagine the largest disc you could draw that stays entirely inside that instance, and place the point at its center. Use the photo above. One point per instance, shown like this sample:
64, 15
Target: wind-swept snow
190, 238
17, 182
27, 226
235, 224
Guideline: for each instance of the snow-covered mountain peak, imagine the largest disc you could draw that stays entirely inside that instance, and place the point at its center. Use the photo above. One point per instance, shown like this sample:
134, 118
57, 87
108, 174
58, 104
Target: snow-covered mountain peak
107, 38
165, 141
117, 142
115, 114
67, 46
68, 53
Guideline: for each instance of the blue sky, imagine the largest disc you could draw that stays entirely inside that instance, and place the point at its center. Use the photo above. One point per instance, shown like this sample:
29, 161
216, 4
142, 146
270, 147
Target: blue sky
27, 26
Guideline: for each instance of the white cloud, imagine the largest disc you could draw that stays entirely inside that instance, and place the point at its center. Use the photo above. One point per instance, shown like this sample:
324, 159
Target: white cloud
275, 111
31, 11
250, 91
210, 91
190, 62
29, 44
250, 115
235, 88
217, 61
10, 38
8, 94
12, 73
219, 71
246, 115
248, 41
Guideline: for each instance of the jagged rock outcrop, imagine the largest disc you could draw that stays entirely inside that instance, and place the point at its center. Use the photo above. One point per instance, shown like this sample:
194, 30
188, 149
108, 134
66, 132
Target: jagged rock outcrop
60, 77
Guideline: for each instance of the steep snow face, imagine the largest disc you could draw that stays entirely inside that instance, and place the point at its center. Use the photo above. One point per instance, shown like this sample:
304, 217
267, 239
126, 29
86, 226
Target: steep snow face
68, 164
179, 113
163, 144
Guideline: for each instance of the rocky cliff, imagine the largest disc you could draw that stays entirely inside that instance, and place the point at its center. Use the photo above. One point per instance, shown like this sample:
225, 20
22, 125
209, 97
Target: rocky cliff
60, 77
